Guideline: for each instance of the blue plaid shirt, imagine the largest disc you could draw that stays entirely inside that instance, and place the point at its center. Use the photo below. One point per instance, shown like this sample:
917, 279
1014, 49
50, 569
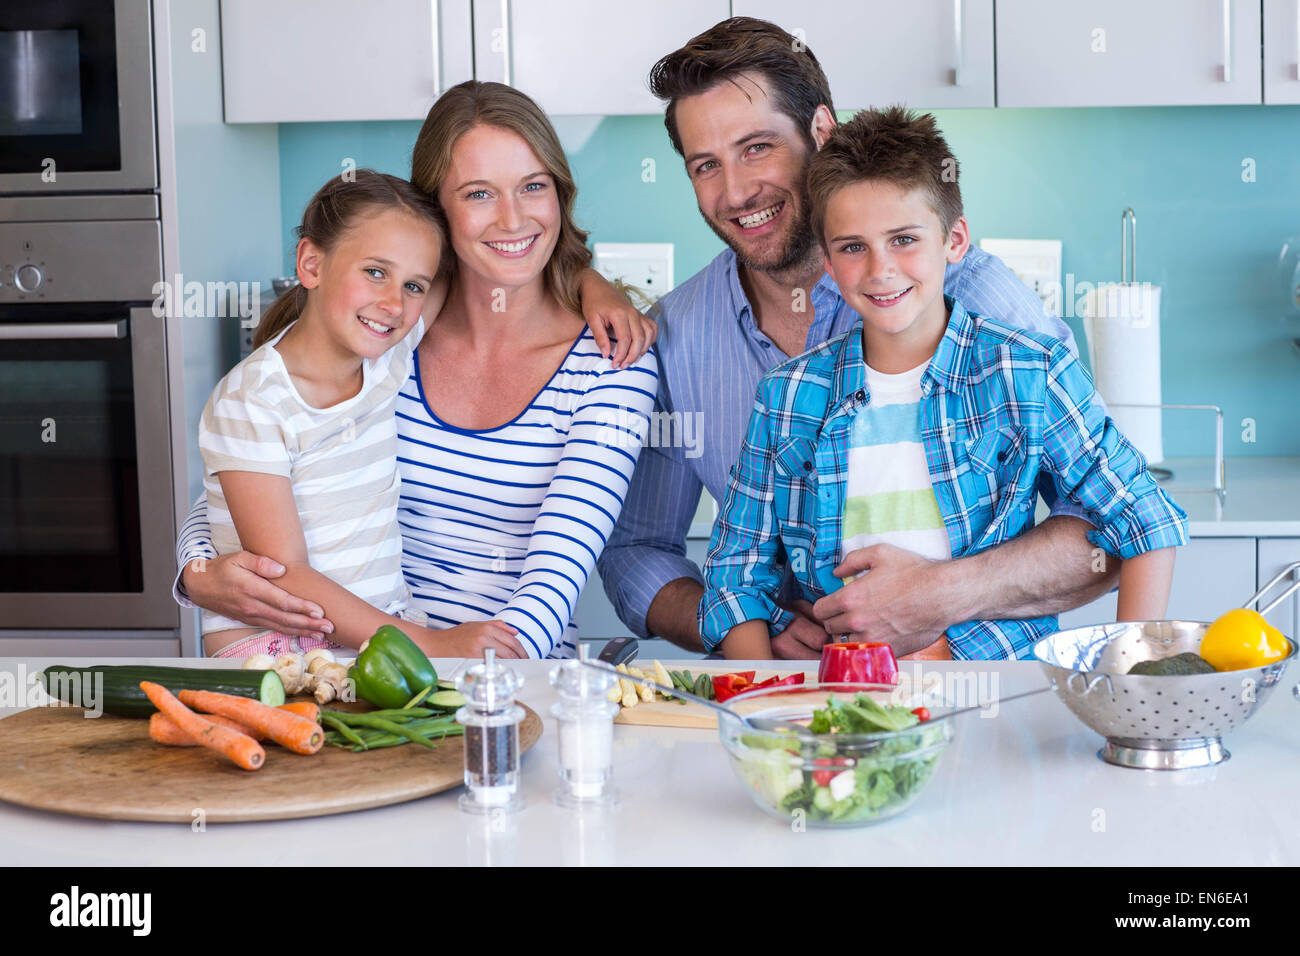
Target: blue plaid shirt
1002, 408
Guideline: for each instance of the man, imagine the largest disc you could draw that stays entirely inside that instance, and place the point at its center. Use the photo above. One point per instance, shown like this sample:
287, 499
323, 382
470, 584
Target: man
747, 106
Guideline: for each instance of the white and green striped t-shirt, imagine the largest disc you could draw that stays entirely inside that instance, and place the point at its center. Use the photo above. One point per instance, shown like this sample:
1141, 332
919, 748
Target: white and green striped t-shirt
341, 462
889, 498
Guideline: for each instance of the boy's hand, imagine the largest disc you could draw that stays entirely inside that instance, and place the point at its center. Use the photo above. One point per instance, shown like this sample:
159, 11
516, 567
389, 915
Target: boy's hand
893, 604
803, 639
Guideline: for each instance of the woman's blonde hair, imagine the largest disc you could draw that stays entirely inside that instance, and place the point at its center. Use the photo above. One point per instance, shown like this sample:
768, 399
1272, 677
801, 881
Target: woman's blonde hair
474, 103
331, 212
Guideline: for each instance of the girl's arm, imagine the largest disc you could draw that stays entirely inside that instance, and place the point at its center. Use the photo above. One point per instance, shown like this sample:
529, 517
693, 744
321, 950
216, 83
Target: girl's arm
748, 642
1144, 582
266, 518
608, 311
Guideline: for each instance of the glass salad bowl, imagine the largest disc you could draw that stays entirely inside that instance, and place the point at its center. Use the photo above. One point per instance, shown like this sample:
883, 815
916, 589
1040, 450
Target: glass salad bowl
842, 778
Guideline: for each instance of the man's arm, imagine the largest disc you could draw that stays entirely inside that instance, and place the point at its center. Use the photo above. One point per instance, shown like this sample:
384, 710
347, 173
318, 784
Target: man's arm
909, 601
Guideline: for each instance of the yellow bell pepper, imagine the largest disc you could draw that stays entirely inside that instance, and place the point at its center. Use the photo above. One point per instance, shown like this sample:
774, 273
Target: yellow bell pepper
1243, 639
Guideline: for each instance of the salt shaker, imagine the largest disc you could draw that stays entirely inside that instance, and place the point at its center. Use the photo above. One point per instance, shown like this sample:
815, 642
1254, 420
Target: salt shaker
491, 718
585, 716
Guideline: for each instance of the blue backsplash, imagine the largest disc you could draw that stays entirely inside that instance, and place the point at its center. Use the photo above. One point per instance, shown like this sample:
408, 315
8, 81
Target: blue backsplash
1206, 235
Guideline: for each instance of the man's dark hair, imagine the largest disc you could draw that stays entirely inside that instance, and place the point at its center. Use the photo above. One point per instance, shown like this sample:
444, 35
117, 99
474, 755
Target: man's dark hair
891, 145
742, 45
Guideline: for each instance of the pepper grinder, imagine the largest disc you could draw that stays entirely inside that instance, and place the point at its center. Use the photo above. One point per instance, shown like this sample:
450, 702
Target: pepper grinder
491, 718
585, 717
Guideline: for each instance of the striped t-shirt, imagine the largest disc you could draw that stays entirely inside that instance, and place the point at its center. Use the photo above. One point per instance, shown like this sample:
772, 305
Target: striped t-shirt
506, 523
341, 462
889, 498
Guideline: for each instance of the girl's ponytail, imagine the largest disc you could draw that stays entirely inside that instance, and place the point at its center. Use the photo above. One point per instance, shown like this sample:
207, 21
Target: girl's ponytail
331, 212
278, 317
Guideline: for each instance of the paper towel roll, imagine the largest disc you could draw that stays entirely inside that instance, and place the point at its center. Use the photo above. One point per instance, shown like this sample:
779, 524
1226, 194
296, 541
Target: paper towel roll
1122, 323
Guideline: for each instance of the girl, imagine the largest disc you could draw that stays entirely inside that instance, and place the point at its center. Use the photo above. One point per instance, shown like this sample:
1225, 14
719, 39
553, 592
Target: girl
299, 441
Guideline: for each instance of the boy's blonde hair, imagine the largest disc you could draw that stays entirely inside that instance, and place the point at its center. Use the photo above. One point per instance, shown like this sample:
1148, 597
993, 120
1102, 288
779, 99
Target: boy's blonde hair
891, 145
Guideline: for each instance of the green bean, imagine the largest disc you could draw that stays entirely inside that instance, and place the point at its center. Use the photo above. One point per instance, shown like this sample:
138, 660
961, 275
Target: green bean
342, 728
419, 697
397, 716
365, 720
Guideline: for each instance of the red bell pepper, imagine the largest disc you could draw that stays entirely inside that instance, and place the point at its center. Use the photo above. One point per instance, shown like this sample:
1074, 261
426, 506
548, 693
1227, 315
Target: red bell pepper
726, 686
790, 680
858, 664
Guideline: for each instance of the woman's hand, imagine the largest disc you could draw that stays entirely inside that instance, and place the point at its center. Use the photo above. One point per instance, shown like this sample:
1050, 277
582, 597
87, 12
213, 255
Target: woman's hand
609, 313
470, 640
237, 586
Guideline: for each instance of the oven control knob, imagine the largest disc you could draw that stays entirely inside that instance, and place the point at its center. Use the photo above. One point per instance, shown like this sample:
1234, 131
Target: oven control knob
28, 278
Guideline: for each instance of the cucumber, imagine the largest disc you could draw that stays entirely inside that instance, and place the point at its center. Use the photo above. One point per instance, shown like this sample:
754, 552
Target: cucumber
122, 696
446, 685
446, 699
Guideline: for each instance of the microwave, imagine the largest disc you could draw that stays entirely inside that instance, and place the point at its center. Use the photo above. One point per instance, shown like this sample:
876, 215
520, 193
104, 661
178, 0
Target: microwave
76, 97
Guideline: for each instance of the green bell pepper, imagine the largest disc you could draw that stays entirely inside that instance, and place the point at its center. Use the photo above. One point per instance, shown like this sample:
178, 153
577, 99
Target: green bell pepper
391, 669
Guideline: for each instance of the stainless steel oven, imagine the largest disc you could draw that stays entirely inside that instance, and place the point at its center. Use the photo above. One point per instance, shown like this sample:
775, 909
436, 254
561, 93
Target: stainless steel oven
86, 526
76, 97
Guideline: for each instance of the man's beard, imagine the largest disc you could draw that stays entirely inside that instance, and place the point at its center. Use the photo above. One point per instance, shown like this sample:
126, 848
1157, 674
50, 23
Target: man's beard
796, 250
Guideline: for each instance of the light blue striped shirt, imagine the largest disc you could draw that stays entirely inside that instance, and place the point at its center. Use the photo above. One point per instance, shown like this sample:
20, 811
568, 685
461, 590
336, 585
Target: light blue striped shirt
506, 523
711, 357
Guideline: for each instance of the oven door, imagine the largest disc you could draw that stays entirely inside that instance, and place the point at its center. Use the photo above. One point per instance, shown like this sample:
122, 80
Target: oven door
76, 97
86, 530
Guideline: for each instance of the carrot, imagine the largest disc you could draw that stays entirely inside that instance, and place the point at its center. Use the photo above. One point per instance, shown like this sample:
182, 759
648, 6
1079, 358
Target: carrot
307, 709
288, 730
163, 730
240, 748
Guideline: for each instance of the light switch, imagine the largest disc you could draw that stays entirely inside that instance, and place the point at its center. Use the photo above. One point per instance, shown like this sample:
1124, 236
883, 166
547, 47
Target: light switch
1036, 263
647, 266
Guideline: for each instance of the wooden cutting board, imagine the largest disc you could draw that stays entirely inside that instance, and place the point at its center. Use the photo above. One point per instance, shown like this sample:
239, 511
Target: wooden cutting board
666, 713
683, 713
53, 758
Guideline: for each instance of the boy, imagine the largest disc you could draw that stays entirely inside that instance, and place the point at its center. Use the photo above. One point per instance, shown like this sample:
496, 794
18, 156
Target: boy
925, 426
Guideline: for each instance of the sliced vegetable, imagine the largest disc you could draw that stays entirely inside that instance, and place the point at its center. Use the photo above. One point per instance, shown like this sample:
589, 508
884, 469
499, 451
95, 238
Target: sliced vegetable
121, 694
288, 730
243, 750
726, 686
447, 700
851, 663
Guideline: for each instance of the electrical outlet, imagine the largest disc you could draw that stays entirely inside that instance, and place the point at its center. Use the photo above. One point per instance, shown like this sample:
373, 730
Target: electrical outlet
1036, 263
647, 266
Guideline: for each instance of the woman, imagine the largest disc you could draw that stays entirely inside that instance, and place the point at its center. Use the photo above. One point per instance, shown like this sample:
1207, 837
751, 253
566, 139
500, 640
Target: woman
514, 465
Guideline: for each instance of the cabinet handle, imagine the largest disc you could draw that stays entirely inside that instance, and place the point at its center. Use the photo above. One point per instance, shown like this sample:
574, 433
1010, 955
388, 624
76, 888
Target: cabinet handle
1227, 41
48, 331
1297, 44
505, 39
959, 45
435, 14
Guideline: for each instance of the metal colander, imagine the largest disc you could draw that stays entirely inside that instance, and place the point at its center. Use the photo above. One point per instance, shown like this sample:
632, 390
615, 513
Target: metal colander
1156, 723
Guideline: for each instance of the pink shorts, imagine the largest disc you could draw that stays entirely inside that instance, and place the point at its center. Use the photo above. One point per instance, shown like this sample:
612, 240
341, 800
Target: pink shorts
275, 644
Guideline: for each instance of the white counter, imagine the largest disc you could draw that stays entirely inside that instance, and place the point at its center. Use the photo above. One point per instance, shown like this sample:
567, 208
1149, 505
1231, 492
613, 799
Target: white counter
1024, 787
1262, 499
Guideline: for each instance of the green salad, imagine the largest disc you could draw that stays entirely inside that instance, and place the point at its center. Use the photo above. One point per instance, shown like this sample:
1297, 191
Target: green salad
834, 781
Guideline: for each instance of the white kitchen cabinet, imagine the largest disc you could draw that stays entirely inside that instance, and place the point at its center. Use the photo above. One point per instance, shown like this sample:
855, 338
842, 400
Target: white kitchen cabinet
284, 61
1282, 51
1121, 53
1211, 575
927, 53
584, 56
1274, 555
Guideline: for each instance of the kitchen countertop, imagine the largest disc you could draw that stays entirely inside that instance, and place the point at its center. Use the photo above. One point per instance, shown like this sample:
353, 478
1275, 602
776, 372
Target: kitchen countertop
1023, 787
